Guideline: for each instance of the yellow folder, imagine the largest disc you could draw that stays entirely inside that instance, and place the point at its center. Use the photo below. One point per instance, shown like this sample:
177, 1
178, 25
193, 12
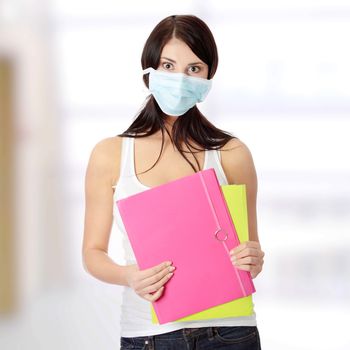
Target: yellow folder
236, 200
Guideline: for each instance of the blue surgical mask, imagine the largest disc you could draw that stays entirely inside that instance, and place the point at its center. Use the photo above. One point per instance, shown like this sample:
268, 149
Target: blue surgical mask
176, 93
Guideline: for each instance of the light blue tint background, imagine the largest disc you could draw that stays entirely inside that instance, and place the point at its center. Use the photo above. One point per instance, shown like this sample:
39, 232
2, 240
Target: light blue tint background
282, 86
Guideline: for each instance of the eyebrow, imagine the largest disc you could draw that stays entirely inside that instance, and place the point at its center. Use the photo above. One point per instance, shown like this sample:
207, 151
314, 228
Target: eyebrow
190, 64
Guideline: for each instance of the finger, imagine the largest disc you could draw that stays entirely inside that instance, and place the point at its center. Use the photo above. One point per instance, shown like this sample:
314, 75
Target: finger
158, 277
158, 294
249, 260
154, 296
246, 252
239, 248
154, 270
244, 245
253, 269
159, 284
245, 267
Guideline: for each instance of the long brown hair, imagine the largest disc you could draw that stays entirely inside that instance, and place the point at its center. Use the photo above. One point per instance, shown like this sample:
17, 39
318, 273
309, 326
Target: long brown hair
191, 125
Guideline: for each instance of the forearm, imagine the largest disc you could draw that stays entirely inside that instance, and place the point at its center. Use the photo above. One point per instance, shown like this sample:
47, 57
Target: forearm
97, 263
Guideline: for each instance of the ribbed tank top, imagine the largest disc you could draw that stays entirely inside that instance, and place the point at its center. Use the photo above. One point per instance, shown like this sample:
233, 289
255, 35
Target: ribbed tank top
136, 317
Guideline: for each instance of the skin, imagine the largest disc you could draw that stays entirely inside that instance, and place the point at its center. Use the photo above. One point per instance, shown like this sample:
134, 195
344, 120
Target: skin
103, 171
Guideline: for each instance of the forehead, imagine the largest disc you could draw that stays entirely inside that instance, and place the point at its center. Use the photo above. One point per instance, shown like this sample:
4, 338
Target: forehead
179, 51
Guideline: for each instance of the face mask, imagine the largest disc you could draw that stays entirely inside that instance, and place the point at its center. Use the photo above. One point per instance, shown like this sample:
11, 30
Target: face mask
176, 93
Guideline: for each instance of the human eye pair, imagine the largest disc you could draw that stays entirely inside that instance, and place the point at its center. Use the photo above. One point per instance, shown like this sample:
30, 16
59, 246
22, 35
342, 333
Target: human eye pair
166, 65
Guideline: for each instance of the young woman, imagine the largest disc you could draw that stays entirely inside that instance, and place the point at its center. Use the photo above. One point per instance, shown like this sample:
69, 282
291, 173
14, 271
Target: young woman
170, 138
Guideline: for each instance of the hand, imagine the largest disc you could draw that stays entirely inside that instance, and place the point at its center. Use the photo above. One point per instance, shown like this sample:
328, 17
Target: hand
248, 256
148, 281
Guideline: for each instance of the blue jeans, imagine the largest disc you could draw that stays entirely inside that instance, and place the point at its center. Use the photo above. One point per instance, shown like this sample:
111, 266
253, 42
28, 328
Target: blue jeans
206, 338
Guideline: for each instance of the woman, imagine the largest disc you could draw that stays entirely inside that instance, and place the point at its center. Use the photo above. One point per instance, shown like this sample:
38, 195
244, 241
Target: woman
170, 138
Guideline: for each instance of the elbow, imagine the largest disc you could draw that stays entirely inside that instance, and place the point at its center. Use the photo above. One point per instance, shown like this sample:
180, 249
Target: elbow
84, 260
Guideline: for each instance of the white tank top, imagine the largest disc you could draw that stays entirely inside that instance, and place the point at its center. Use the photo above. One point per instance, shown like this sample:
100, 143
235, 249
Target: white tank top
136, 317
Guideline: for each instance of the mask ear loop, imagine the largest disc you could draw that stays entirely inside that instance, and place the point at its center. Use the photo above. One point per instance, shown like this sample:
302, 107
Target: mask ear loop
147, 70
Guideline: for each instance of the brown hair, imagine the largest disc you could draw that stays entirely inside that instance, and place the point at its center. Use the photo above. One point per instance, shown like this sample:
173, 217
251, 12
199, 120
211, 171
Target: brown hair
192, 124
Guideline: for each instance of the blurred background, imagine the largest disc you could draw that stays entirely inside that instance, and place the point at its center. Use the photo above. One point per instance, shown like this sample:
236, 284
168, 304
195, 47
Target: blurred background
70, 75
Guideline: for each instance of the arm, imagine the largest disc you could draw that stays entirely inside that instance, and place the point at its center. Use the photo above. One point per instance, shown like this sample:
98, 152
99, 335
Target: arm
99, 214
239, 168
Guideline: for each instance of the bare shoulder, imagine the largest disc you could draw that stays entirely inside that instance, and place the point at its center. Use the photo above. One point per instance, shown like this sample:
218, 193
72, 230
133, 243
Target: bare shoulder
237, 161
105, 159
236, 150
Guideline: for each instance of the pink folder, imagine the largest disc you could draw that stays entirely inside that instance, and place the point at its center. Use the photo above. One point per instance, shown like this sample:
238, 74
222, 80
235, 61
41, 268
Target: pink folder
187, 222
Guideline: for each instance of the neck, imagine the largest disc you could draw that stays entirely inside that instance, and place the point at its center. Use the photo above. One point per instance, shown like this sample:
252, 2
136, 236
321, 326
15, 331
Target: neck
169, 122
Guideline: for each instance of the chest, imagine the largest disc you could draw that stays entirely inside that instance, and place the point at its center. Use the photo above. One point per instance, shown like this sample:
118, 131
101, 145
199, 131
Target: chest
171, 165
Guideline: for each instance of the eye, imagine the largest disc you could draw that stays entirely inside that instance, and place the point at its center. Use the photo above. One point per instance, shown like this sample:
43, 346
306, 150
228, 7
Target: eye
166, 65
194, 71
